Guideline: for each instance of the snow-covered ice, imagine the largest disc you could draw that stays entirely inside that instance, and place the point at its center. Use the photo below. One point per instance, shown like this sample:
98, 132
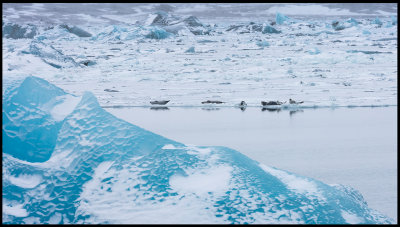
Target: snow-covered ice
305, 59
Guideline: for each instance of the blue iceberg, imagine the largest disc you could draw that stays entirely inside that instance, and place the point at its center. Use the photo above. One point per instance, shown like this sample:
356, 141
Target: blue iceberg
67, 160
377, 21
280, 18
120, 32
353, 22
269, 29
394, 19
158, 33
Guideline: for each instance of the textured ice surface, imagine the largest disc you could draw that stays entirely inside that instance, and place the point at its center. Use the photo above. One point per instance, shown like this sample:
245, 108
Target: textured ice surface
101, 169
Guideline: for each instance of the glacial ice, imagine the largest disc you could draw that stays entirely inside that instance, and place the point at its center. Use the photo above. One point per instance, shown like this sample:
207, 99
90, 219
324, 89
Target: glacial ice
190, 50
377, 21
67, 160
269, 29
119, 32
394, 20
281, 19
314, 51
16, 31
337, 26
162, 18
173, 23
50, 55
353, 21
76, 31
158, 33
263, 43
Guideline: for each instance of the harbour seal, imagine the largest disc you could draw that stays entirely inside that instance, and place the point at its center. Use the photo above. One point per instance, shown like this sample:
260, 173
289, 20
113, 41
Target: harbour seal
291, 101
161, 102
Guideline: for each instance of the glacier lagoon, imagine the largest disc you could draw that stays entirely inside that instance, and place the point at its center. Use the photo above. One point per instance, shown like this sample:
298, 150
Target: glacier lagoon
351, 146
60, 166
105, 170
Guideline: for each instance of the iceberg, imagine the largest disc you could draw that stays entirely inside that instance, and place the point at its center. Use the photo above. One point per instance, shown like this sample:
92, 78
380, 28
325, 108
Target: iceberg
16, 31
353, 22
269, 29
76, 31
161, 18
377, 21
50, 55
119, 32
67, 160
394, 20
158, 33
190, 50
173, 24
337, 26
251, 27
281, 19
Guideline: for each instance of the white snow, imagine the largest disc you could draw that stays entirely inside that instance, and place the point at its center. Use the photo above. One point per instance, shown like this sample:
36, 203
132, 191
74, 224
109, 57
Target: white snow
14, 209
214, 180
168, 147
295, 183
351, 218
60, 111
25, 180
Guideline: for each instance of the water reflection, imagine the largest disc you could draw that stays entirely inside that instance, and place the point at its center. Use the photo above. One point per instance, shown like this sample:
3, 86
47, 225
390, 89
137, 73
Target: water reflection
295, 111
159, 108
210, 108
271, 109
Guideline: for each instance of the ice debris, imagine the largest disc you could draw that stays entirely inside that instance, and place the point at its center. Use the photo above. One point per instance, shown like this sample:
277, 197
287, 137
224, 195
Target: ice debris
92, 167
314, 51
190, 50
262, 43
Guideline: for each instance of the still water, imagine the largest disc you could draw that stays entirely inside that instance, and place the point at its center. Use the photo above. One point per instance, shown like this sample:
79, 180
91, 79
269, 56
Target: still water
351, 146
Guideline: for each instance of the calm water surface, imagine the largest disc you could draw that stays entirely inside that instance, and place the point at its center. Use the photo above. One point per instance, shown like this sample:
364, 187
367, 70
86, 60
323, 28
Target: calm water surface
351, 146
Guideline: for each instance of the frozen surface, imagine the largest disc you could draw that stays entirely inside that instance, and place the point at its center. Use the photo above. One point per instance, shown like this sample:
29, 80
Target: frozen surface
106, 170
189, 54
331, 145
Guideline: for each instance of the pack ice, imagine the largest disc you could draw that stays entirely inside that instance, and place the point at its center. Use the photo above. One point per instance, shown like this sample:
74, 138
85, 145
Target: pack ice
67, 160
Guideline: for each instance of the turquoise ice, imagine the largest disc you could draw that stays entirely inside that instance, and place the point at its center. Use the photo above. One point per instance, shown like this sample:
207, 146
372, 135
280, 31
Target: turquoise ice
67, 160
